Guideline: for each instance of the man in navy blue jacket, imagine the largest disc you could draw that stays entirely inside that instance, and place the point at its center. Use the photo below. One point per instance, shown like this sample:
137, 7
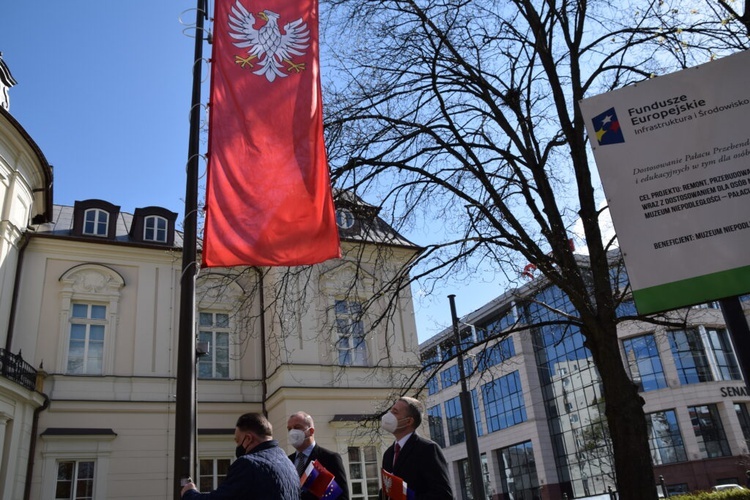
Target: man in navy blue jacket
262, 470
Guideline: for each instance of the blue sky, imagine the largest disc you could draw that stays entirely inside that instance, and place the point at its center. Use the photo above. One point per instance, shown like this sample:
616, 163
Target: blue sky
105, 93
104, 89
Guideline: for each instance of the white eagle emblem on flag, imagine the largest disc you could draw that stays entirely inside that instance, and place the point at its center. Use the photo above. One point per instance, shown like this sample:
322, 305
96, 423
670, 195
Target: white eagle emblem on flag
387, 483
268, 44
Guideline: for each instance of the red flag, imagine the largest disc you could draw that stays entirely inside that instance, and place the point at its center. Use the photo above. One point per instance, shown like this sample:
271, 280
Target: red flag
394, 487
316, 479
268, 193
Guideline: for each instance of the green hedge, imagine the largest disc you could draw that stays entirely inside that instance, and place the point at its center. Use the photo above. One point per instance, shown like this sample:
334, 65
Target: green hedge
719, 495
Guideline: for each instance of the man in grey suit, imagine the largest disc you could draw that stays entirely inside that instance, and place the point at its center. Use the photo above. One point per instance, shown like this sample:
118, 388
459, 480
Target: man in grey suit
301, 429
416, 460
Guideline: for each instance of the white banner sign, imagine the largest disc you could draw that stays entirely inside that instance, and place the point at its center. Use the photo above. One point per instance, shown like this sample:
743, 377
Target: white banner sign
674, 157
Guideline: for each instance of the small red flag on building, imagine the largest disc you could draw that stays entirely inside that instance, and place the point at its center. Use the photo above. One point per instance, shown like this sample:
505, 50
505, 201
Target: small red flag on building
268, 192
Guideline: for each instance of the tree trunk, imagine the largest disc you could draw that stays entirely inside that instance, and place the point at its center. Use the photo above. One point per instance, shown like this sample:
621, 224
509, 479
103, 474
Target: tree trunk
624, 411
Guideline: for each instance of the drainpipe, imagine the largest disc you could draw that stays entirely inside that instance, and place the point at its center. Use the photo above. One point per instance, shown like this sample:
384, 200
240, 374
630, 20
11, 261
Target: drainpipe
16, 283
41, 374
264, 373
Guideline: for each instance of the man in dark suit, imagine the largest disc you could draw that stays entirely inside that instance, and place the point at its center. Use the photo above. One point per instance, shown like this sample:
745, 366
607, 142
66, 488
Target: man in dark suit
419, 461
301, 436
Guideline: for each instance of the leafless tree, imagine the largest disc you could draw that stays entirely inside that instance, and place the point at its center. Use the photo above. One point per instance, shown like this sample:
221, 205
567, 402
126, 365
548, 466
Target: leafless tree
465, 112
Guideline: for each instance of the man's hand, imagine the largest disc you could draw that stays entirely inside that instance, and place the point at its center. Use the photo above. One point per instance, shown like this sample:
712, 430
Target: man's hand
189, 486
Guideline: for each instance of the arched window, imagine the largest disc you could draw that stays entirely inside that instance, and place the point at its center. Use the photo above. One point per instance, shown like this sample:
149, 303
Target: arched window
89, 314
95, 222
155, 229
344, 218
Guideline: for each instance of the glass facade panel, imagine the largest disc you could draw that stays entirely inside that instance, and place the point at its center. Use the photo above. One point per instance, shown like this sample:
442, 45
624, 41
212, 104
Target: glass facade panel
703, 355
518, 476
572, 394
448, 350
689, 356
708, 429
644, 363
744, 417
465, 478
433, 386
664, 438
495, 326
455, 421
495, 354
503, 402
723, 354
449, 376
477, 412
435, 421
626, 308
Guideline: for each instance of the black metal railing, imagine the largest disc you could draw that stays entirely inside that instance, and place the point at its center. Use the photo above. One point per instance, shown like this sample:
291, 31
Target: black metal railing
13, 367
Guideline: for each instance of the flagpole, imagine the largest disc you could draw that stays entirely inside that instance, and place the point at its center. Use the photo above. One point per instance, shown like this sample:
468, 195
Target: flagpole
184, 434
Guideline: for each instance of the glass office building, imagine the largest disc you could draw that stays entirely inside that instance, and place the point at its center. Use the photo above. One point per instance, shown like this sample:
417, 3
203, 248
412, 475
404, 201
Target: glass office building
539, 410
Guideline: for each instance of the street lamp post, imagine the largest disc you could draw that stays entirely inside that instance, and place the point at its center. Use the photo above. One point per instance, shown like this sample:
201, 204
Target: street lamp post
185, 404
467, 415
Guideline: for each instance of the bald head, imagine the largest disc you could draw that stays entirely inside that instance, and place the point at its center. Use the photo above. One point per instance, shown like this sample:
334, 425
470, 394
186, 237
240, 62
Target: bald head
303, 417
302, 421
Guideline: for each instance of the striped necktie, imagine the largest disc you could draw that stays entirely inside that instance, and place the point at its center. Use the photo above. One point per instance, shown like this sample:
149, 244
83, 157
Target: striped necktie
299, 463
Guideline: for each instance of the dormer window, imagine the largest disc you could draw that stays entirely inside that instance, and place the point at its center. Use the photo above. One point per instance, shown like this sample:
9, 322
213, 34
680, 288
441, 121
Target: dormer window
95, 218
95, 222
155, 229
153, 225
344, 218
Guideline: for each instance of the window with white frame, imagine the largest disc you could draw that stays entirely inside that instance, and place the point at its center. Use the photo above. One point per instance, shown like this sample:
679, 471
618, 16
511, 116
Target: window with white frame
351, 343
212, 472
213, 328
96, 222
75, 480
89, 310
155, 229
88, 323
363, 473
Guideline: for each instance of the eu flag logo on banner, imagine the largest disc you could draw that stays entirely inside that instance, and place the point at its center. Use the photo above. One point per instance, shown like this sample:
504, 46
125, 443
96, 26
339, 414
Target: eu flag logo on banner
320, 482
607, 128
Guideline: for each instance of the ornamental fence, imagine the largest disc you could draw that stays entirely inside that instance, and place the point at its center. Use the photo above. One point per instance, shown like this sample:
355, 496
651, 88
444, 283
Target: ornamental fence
13, 367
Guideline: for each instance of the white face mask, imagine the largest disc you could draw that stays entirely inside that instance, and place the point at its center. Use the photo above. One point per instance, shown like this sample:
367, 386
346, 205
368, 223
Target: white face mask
389, 422
296, 437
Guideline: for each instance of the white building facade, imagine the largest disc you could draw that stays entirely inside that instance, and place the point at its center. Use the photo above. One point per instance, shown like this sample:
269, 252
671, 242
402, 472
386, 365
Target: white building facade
89, 311
25, 198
